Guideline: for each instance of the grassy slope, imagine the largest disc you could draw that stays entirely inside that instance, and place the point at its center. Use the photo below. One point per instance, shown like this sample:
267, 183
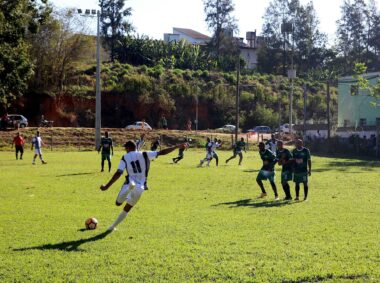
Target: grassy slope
194, 224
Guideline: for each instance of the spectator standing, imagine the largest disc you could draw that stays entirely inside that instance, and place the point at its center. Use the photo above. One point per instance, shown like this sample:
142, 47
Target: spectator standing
19, 143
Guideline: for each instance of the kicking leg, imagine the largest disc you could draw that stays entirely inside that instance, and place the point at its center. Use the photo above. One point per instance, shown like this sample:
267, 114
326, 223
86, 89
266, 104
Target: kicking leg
121, 216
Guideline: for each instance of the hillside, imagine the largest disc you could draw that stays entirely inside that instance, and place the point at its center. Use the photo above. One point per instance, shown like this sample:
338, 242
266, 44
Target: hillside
132, 93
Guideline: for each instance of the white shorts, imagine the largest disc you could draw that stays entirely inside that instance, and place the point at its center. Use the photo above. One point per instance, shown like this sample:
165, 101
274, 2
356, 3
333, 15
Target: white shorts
38, 151
130, 193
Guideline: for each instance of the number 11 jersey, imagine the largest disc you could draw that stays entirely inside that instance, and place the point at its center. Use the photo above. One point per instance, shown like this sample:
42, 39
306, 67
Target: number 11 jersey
137, 165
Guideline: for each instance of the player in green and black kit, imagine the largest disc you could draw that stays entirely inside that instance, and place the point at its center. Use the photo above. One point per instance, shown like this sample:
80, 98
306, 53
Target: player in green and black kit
285, 159
106, 147
267, 170
302, 168
239, 146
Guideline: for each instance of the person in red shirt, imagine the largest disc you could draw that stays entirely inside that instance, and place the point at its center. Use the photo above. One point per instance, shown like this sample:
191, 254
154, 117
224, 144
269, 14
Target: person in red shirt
19, 142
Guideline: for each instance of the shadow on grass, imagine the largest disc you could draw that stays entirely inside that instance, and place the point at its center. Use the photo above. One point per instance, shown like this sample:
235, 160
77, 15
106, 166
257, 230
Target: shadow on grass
255, 203
251, 171
319, 278
76, 174
70, 246
343, 166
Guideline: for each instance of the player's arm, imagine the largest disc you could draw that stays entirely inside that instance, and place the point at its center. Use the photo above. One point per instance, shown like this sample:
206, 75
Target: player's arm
111, 148
114, 178
32, 145
100, 147
309, 165
169, 149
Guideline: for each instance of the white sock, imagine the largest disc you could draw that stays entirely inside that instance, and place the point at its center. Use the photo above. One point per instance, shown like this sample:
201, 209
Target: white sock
119, 219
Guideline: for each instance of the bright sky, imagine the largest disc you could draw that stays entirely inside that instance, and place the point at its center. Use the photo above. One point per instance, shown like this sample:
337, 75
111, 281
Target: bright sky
156, 17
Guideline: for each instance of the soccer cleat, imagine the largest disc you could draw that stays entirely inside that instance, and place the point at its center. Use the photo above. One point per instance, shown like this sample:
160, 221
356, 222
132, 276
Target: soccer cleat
305, 199
288, 198
276, 198
263, 195
297, 199
111, 229
44, 162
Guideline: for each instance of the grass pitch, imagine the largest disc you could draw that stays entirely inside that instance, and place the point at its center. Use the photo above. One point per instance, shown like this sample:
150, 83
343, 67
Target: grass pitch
192, 225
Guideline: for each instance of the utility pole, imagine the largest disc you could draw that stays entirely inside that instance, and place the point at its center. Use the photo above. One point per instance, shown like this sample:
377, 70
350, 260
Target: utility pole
237, 99
98, 104
304, 109
98, 108
196, 107
328, 108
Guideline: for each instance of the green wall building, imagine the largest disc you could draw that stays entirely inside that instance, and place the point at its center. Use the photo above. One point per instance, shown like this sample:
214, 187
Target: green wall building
357, 108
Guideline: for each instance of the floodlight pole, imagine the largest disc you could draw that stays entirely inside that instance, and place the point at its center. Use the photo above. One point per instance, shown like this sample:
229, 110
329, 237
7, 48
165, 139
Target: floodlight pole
98, 107
237, 99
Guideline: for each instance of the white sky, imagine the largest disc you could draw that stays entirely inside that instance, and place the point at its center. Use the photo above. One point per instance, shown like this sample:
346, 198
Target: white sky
156, 17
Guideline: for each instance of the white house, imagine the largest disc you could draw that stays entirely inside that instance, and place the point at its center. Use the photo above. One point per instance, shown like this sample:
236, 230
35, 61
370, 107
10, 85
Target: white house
248, 51
191, 36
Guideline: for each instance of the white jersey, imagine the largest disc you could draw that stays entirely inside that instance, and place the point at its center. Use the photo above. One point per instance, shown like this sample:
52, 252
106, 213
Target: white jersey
271, 145
139, 144
137, 165
37, 142
214, 146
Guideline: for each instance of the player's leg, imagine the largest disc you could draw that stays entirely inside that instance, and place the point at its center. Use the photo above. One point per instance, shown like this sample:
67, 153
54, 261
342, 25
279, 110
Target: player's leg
240, 158
102, 163
297, 191
17, 150
259, 180
273, 185
41, 157
133, 196
216, 158
21, 152
305, 189
109, 162
285, 177
179, 158
232, 157
34, 157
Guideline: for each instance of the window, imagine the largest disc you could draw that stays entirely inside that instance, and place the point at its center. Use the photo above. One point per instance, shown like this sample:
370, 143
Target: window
362, 122
354, 90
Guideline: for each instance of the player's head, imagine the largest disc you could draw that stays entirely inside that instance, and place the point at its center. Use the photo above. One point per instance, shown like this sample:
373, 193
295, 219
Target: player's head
261, 146
208, 139
272, 136
280, 145
215, 140
219, 141
299, 143
18, 134
106, 134
38, 133
130, 146
242, 139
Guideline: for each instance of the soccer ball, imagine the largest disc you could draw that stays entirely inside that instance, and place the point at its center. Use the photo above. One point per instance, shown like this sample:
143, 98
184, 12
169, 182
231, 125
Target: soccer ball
91, 223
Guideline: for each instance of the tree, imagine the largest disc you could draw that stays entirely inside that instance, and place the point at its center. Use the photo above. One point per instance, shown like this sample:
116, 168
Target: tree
18, 18
56, 47
309, 43
351, 33
115, 24
221, 22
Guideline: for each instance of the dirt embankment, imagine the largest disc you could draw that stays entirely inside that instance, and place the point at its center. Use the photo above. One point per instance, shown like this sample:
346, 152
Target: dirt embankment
84, 138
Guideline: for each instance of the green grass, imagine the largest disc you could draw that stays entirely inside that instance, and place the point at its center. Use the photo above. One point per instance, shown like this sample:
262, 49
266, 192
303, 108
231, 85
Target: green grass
192, 225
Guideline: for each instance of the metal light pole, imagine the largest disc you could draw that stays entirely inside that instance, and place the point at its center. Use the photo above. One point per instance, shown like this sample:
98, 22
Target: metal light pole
237, 100
98, 105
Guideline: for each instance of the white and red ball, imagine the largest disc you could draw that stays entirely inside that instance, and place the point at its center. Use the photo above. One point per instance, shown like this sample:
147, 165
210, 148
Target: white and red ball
91, 223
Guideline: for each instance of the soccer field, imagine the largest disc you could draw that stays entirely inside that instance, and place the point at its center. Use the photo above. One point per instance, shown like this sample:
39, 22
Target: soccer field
192, 225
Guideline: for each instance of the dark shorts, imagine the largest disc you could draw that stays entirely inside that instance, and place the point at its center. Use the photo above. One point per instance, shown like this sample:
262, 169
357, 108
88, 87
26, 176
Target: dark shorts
106, 156
265, 175
286, 176
300, 177
19, 148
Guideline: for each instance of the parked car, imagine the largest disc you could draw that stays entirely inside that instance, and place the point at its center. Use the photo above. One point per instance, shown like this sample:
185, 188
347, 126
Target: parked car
260, 130
227, 129
14, 121
285, 128
139, 126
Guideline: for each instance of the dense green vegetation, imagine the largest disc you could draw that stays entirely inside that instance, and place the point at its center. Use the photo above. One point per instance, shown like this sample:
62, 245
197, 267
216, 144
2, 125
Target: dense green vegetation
192, 225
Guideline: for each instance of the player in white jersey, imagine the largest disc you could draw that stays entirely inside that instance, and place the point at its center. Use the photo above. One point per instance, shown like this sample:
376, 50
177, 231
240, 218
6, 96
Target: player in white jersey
271, 144
37, 144
208, 157
215, 144
140, 143
136, 164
